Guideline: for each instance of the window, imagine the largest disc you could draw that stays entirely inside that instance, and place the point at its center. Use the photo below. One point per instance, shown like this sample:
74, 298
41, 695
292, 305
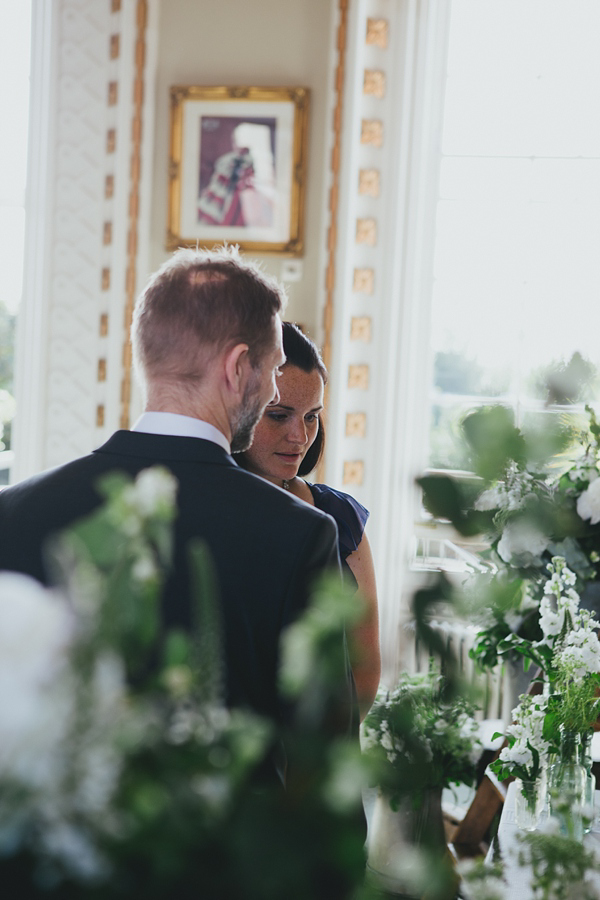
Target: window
517, 265
15, 25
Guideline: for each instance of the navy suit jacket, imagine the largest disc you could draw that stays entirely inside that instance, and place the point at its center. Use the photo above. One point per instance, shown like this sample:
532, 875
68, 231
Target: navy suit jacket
267, 546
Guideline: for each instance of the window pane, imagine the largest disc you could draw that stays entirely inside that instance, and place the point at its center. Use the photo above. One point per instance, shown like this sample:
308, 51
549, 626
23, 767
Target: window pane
516, 266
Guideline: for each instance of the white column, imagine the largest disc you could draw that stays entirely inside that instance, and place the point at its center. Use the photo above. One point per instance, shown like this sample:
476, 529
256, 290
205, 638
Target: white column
381, 364
71, 321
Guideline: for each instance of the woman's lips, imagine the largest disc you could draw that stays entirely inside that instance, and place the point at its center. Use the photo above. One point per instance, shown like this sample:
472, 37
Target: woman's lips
290, 457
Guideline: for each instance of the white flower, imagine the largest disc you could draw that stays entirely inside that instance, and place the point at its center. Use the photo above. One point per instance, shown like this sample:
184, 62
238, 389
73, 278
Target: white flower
144, 569
36, 690
588, 503
490, 499
75, 848
343, 788
513, 620
153, 490
522, 544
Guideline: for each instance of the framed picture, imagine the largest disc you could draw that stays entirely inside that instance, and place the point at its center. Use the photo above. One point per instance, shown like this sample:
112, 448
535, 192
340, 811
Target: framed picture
237, 168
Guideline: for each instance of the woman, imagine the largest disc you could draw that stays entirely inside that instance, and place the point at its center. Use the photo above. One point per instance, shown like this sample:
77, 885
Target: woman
288, 443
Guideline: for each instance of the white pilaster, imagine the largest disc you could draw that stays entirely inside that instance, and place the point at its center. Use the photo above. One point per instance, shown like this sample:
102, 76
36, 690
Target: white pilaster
391, 128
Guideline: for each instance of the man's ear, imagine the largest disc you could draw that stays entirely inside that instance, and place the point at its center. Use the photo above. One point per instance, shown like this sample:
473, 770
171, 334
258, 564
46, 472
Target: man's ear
237, 364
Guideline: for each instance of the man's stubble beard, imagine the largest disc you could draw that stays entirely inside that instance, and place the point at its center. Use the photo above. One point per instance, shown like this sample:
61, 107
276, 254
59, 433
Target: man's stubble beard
247, 418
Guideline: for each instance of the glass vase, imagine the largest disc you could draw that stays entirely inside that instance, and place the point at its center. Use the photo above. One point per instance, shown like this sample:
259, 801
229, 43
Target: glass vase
530, 799
393, 837
567, 782
590, 784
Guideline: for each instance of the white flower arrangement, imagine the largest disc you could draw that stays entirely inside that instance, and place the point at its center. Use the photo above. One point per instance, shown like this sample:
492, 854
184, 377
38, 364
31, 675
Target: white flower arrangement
527, 750
420, 738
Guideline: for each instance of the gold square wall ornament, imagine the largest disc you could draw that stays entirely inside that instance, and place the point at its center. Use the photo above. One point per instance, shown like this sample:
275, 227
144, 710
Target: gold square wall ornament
100, 415
366, 231
371, 132
115, 6
377, 33
109, 187
368, 182
356, 425
374, 83
103, 325
358, 377
101, 370
107, 233
360, 329
363, 281
113, 93
111, 140
354, 472
105, 279
114, 46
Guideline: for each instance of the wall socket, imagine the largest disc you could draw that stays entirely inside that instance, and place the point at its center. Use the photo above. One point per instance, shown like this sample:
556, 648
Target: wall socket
291, 270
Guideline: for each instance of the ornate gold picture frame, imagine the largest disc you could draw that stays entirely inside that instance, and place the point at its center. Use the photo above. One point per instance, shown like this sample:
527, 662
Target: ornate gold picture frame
237, 168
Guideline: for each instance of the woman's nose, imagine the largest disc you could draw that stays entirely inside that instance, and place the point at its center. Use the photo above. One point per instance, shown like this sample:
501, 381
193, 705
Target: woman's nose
297, 432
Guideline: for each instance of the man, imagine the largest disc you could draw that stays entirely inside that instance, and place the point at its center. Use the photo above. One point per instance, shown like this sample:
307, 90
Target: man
207, 345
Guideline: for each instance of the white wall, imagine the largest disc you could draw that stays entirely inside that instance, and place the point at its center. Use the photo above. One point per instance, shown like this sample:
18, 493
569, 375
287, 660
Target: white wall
264, 42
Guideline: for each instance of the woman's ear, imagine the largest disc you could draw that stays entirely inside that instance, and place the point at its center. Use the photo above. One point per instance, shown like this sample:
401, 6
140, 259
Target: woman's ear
237, 364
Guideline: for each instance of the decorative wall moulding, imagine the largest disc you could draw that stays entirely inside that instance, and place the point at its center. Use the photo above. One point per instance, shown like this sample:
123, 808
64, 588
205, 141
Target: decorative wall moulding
377, 33
369, 182
356, 424
366, 231
374, 83
371, 132
354, 472
237, 167
360, 328
363, 281
358, 377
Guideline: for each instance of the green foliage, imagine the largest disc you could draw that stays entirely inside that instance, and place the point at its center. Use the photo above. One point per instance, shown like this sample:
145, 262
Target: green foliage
575, 703
420, 737
455, 374
7, 347
445, 497
193, 807
560, 866
494, 441
563, 382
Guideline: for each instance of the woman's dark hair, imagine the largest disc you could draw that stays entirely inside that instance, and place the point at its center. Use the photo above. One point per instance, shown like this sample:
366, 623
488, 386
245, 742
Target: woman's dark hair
300, 351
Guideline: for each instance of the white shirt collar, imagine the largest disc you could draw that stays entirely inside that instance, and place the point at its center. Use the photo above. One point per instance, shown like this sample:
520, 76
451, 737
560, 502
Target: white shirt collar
180, 426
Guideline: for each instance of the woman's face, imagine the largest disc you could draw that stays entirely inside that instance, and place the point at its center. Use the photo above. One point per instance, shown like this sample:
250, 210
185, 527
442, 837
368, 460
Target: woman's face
288, 427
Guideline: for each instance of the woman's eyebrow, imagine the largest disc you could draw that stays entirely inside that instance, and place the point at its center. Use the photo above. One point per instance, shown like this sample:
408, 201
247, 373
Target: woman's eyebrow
291, 408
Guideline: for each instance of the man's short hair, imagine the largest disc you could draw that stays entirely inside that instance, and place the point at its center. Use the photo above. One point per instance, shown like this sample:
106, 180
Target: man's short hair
199, 303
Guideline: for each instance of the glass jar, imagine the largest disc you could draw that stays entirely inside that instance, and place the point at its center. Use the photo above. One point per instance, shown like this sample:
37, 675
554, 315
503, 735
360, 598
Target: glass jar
530, 799
567, 782
590, 786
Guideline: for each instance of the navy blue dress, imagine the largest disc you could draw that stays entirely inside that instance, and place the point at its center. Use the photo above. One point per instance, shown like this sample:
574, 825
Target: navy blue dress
351, 517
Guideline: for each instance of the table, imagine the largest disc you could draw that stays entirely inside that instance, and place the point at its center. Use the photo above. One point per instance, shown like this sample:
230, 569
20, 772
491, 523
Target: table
507, 846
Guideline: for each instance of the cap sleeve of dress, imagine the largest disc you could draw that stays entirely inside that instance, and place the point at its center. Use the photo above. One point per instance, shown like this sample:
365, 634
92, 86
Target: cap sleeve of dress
350, 515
